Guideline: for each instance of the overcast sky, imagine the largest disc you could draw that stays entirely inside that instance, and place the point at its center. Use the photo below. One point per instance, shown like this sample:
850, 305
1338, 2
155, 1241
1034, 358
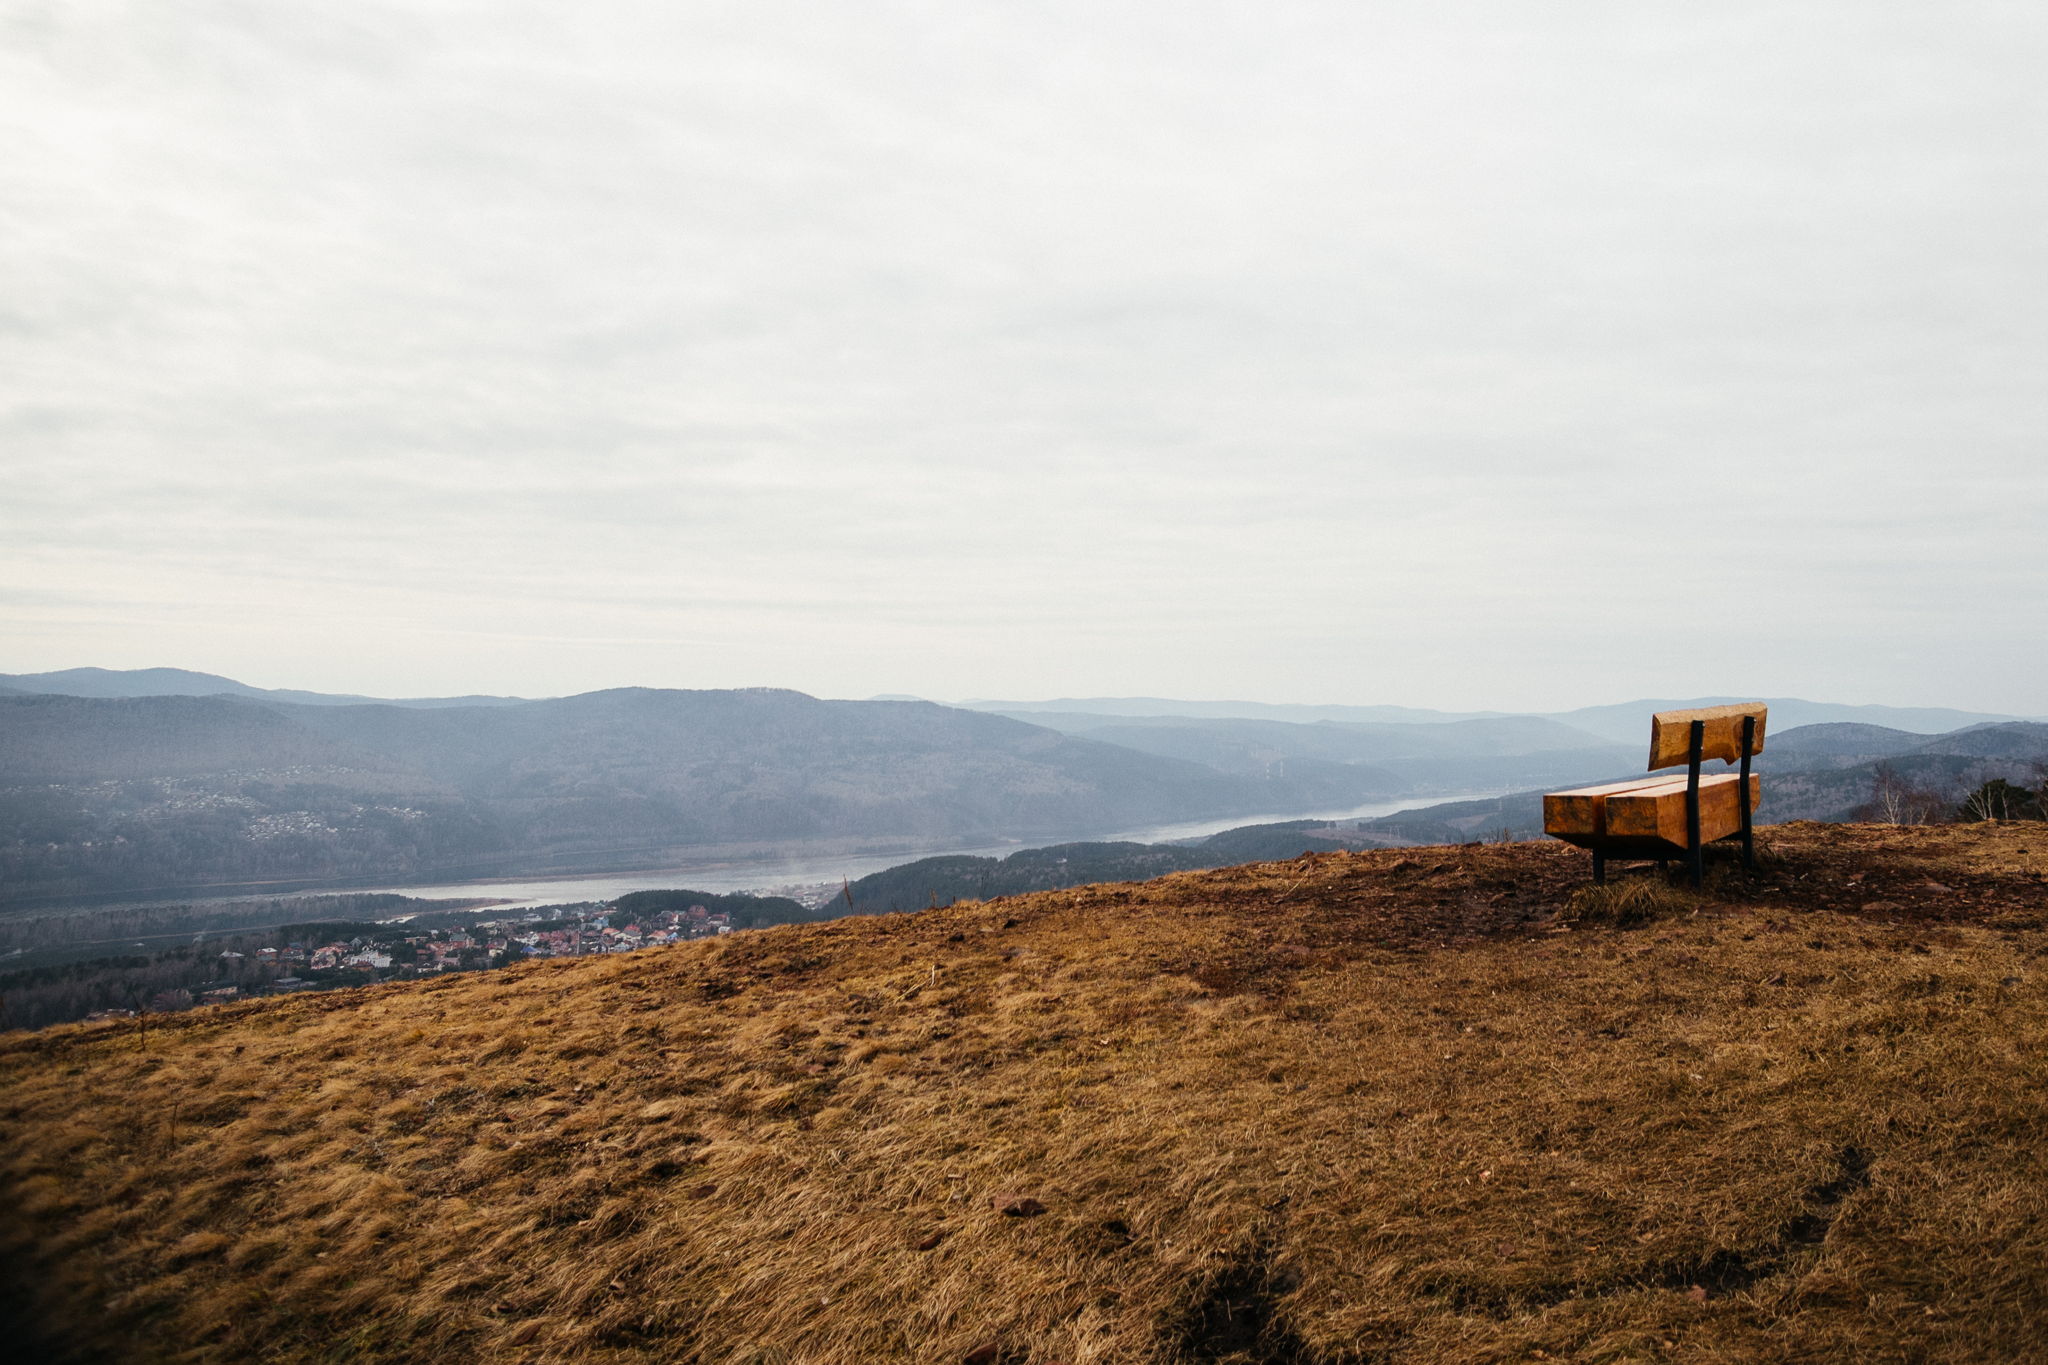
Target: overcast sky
1459, 355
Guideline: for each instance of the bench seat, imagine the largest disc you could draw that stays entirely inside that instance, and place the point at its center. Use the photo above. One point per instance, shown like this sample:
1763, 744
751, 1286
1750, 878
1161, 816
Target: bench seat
1645, 818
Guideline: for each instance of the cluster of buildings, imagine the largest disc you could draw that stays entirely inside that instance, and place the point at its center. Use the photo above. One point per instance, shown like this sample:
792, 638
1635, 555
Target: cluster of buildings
250, 967
595, 933
398, 952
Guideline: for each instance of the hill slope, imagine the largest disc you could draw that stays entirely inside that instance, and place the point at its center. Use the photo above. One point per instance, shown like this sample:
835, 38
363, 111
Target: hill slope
142, 793
1455, 755
1395, 1106
1619, 723
183, 682
1624, 722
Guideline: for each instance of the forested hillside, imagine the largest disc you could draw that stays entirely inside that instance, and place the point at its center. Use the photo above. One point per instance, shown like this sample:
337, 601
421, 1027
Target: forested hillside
104, 795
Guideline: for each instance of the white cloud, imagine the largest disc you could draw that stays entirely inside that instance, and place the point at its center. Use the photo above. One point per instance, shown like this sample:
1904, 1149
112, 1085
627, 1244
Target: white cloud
1471, 355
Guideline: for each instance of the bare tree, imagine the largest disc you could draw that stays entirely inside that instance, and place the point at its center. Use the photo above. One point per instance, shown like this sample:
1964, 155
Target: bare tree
1984, 804
1897, 800
1999, 799
1887, 795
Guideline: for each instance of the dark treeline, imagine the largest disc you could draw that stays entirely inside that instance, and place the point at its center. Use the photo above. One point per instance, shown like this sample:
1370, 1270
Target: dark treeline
37, 936
172, 978
941, 881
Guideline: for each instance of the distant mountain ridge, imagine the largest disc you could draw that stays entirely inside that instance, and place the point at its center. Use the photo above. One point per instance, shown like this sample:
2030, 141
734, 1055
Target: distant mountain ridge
180, 682
1444, 757
1629, 721
206, 781
1294, 713
1619, 722
145, 793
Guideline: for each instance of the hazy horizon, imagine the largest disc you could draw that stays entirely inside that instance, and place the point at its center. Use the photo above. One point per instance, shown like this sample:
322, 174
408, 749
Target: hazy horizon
1134, 706
1469, 357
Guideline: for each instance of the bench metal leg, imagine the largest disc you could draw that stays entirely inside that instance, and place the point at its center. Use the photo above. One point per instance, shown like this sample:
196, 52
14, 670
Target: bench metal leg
1748, 840
1599, 868
1692, 803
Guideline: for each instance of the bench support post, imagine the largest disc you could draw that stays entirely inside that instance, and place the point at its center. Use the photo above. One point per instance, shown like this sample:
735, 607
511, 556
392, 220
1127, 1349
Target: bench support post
1599, 868
1692, 804
1748, 839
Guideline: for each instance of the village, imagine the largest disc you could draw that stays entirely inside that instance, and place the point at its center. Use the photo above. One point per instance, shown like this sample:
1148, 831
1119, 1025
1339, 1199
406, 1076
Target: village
399, 950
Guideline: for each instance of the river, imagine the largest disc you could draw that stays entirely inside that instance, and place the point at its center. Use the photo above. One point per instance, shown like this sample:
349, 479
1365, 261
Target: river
784, 874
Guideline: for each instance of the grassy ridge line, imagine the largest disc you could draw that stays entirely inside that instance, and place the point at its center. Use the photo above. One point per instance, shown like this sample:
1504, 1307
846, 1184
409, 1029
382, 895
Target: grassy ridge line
932, 882
1383, 1105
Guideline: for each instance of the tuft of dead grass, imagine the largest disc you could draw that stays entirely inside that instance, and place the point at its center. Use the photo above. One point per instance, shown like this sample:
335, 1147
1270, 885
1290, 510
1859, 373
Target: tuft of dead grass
1627, 903
1412, 1105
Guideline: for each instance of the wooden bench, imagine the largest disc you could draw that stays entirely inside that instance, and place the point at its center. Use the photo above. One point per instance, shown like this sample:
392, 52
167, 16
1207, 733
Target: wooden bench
1671, 817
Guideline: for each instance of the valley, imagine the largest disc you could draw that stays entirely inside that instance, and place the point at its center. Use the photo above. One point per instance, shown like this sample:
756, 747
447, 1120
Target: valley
163, 821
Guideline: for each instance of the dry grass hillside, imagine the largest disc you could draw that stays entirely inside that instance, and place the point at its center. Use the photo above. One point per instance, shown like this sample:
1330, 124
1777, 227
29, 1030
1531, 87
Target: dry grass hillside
1441, 1104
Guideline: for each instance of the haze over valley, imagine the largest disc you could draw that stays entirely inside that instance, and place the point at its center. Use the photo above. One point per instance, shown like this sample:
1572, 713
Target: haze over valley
160, 782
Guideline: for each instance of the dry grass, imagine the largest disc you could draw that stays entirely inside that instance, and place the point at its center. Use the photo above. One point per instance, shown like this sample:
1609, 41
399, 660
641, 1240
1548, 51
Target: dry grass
1630, 903
1396, 1106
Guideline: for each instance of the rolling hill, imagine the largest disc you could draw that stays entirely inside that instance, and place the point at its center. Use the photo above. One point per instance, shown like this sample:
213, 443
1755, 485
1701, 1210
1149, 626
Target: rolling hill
108, 795
183, 682
1447, 756
219, 785
1614, 723
1427, 1105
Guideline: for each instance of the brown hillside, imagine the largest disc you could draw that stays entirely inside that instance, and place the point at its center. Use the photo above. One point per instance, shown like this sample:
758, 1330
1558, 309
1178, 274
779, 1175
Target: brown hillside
1414, 1105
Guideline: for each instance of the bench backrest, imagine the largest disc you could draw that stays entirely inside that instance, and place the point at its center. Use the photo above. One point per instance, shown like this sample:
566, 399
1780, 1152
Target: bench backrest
1671, 734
